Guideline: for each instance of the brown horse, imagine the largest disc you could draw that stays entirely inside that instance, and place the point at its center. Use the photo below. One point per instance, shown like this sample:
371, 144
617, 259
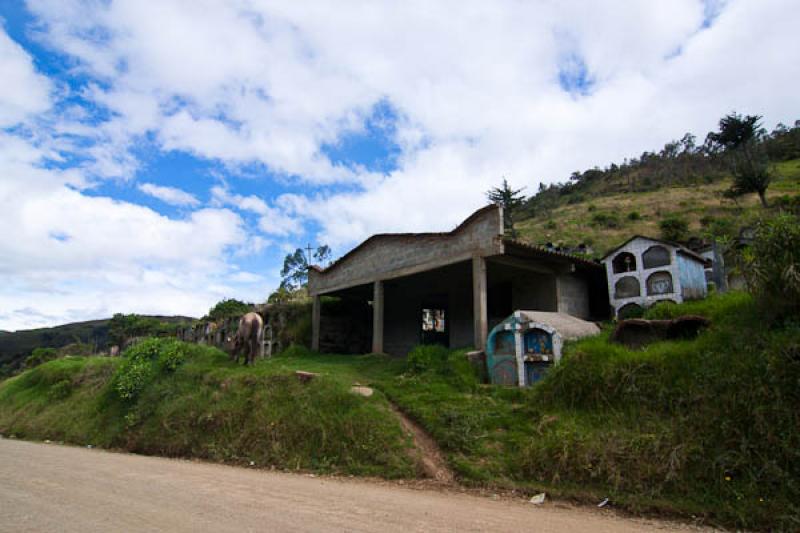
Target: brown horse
249, 338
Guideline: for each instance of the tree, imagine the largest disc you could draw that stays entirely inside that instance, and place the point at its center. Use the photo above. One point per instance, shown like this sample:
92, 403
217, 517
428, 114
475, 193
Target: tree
510, 199
123, 327
674, 228
294, 273
741, 139
772, 266
227, 308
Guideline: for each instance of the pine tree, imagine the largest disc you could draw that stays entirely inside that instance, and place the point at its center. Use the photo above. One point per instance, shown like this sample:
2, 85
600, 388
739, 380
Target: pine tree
510, 200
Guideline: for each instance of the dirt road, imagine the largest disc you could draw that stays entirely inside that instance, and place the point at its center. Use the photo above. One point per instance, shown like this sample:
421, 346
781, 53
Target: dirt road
47, 487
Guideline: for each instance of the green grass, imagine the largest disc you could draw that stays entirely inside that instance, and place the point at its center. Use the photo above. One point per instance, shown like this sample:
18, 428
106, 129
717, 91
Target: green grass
212, 409
602, 221
705, 427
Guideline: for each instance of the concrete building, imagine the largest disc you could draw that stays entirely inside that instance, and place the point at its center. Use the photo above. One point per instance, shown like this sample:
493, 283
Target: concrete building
452, 288
643, 271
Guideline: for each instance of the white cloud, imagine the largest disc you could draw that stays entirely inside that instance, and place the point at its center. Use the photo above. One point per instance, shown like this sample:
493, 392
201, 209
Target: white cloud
169, 195
475, 86
73, 257
23, 92
272, 221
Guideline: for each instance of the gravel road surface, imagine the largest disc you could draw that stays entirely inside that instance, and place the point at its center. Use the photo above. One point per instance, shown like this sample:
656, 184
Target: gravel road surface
48, 487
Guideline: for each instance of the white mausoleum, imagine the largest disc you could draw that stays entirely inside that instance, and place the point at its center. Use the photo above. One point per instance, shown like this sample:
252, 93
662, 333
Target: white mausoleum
643, 271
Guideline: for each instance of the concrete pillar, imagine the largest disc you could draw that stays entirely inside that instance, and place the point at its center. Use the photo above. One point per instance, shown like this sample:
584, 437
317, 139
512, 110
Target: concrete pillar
479, 306
315, 322
377, 317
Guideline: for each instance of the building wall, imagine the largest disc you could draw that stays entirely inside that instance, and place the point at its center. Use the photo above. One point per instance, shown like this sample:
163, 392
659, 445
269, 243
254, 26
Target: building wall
573, 296
450, 288
693, 278
389, 256
638, 247
533, 291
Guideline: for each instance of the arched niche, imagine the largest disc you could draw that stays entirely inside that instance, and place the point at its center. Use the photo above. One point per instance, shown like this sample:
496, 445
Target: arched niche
626, 287
656, 256
623, 262
630, 311
659, 283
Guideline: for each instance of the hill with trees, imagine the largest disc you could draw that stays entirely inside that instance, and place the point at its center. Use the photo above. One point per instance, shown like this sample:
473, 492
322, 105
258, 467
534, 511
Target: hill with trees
92, 335
686, 189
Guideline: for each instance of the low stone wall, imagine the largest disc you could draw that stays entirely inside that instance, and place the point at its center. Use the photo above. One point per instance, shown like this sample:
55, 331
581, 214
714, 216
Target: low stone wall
282, 327
346, 328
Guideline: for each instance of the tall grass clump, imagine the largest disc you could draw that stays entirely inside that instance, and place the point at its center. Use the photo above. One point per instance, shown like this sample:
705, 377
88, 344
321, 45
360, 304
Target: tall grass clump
711, 421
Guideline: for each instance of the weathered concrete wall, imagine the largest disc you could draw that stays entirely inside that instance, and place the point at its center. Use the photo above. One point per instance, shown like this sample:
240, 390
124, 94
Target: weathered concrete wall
391, 256
573, 295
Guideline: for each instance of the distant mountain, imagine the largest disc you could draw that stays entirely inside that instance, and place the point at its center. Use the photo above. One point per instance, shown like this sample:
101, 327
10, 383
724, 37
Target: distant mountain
15, 346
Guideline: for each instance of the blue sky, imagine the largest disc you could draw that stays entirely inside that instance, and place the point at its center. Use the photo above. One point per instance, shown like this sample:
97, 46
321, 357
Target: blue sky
156, 157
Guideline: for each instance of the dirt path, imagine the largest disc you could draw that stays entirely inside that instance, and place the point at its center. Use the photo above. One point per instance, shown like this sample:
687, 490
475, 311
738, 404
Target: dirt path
46, 487
428, 455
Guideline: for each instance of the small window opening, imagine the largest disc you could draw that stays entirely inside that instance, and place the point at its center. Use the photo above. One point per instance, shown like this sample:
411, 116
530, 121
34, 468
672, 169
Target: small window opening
433, 320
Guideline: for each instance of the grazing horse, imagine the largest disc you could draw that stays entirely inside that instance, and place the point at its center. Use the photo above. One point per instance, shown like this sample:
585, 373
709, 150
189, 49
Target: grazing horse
249, 338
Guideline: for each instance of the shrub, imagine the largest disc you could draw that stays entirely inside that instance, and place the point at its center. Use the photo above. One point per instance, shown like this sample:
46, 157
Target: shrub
772, 265
39, 356
634, 215
427, 357
674, 228
143, 361
606, 220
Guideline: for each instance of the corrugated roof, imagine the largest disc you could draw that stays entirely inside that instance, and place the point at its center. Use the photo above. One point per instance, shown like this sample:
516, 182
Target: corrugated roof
545, 251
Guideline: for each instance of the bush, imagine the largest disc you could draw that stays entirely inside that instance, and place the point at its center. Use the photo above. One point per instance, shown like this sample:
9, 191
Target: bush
39, 356
427, 357
772, 265
674, 228
143, 361
605, 220
634, 215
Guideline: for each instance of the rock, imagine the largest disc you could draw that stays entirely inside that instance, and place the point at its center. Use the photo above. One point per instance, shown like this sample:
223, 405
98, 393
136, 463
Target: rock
538, 499
304, 376
637, 332
361, 390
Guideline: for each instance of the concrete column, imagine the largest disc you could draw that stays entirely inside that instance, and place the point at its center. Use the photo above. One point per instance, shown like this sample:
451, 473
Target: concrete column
315, 322
377, 317
479, 306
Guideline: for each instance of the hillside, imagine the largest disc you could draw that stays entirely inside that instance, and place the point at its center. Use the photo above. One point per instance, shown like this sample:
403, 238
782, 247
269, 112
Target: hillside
603, 219
703, 428
15, 346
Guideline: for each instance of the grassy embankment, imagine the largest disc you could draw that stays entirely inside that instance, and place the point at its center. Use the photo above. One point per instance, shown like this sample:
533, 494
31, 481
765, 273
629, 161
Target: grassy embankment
605, 220
209, 408
704, 427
